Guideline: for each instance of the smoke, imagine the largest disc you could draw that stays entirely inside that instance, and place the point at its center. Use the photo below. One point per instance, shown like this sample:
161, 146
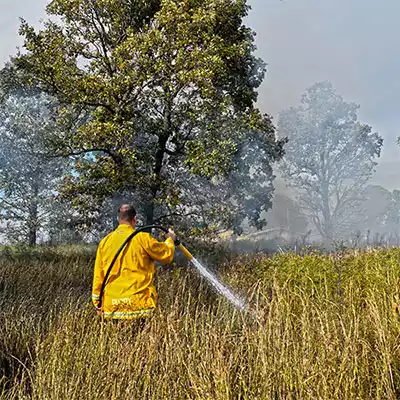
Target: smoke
352, 44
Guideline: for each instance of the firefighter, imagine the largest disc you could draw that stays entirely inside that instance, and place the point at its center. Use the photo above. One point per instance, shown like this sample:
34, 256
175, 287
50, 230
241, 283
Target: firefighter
129, 292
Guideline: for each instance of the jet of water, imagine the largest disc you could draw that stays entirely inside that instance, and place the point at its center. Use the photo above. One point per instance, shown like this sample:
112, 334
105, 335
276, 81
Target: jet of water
235, 300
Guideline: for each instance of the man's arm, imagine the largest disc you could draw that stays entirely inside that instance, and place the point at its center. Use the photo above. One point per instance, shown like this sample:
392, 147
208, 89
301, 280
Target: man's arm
162, 252
98, 277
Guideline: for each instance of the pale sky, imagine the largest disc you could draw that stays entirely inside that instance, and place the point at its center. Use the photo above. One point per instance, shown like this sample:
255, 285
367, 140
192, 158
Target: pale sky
353, 43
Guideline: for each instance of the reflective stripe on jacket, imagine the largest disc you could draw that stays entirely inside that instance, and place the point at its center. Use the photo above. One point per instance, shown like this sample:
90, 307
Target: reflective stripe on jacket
129, 292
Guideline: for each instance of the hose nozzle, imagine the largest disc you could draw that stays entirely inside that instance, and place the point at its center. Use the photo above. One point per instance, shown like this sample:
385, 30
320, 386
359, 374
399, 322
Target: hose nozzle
185, 251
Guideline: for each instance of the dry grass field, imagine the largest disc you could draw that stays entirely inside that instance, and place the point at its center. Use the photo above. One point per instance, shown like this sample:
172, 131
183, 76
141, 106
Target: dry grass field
321, 327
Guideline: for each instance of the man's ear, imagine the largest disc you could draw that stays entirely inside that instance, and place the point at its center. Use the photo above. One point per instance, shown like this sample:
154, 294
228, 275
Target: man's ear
135, 219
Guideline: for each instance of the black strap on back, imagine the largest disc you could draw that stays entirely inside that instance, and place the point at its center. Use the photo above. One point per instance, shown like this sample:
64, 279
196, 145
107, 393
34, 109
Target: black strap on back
124, 244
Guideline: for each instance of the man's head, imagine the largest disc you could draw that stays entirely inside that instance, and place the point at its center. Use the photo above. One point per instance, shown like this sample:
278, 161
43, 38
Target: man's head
127, 214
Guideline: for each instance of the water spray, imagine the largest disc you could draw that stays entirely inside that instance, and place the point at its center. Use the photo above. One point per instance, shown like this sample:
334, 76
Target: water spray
237, 302
216, 284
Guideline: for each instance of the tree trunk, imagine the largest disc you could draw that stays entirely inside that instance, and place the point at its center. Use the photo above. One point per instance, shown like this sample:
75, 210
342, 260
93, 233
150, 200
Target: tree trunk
116, 203
33, 217
159, 159
149, 212
32, 236
326, 212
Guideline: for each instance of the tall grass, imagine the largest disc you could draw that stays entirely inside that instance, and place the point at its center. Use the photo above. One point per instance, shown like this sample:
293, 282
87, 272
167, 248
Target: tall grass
322, 327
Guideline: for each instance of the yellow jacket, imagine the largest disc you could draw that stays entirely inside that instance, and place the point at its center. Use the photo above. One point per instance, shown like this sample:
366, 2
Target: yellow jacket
129, 292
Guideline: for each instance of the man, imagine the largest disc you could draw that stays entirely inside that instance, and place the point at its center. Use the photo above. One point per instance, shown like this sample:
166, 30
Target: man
129, 292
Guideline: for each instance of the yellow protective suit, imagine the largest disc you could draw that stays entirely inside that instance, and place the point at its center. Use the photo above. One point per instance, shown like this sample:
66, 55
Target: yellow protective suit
129, 292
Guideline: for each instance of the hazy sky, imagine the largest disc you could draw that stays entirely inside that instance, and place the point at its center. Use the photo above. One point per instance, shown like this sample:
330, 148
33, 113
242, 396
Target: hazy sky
353, 43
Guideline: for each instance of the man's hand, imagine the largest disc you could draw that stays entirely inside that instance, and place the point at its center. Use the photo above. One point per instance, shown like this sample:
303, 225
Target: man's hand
99, 311
171, 234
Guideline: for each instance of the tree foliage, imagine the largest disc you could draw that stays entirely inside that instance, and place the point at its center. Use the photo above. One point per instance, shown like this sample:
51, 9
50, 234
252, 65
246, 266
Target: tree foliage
329, 157
28, 179
159, 98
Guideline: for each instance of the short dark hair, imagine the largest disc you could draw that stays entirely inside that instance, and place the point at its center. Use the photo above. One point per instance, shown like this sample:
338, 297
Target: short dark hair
126, 212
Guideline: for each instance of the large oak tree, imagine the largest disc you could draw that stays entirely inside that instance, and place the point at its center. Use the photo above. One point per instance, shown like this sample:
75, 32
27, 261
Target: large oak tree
160, 100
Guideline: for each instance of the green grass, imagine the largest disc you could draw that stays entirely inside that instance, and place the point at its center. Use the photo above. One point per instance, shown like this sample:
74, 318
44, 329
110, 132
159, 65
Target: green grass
322, 327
